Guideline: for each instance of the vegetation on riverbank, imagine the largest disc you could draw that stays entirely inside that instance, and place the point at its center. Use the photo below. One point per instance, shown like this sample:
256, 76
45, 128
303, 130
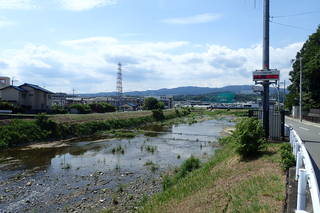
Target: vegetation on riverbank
226, 183
44, 128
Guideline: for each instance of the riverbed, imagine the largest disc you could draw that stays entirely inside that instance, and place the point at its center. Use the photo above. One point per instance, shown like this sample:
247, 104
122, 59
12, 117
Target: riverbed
115, 174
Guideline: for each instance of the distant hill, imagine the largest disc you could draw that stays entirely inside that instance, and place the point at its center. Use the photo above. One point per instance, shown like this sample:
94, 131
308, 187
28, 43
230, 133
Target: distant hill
189, 90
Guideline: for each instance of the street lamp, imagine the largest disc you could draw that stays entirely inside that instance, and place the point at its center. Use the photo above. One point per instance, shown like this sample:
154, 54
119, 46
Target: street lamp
300, 88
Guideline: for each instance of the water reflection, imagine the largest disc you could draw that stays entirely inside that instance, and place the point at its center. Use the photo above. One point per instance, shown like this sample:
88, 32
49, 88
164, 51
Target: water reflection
179, 140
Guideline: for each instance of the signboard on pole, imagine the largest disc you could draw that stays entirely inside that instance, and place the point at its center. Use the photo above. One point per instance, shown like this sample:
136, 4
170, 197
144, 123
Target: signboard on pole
266, 75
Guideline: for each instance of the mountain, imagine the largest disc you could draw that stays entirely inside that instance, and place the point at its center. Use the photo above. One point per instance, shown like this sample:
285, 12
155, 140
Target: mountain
189, 90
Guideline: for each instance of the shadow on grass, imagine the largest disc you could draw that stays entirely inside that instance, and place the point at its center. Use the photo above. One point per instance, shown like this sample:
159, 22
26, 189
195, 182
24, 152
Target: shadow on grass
256, 156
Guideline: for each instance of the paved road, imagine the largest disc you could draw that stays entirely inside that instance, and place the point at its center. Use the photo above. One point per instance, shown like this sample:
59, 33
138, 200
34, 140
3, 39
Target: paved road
310, 135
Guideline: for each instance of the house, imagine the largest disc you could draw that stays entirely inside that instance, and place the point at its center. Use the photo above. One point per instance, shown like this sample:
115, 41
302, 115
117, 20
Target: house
30, 96
4, 82
129, 107
59, 99
13, 94
167, 100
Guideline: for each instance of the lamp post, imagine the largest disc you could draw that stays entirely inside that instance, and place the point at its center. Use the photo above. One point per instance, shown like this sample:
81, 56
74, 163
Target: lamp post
300, 87
300, 98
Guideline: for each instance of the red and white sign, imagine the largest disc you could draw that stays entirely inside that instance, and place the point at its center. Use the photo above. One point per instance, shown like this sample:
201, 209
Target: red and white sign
266, 75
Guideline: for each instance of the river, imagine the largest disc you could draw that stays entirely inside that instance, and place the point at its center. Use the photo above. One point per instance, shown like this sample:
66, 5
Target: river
115, 174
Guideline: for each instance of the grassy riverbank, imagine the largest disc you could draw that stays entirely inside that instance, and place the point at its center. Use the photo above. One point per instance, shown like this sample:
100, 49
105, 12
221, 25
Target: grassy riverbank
51, 128
226, 184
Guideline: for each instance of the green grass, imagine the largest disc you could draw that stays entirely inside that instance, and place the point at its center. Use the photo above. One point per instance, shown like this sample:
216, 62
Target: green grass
153, 166
226, 184
45, 128
219, 112
125, 134
75, 118
118, 150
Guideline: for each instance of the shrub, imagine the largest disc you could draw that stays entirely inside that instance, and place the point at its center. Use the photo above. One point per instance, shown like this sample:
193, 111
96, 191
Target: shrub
158, 115
20, 132
152, 104
226, 140
102, 107
167, 182
8, 106
56, 109
249, 137
82, 108
177, 112
187, 166
287, 158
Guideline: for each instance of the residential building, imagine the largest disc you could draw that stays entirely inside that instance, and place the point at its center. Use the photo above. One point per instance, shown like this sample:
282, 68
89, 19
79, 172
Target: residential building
167, 100
4, 82
30, 96
129, 107
59, 99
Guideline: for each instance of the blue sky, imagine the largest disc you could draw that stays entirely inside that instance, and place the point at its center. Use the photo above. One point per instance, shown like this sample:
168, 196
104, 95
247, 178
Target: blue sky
65, 44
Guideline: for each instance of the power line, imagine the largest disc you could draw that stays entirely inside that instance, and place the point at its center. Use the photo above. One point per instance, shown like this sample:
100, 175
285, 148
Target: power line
291, 26
297, 14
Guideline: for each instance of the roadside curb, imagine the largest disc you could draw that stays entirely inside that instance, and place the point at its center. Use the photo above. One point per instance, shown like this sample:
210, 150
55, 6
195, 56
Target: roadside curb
304, 122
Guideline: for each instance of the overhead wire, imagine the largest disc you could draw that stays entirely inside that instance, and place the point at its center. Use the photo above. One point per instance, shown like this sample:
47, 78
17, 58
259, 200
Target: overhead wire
291, 26
296, 14
292, 15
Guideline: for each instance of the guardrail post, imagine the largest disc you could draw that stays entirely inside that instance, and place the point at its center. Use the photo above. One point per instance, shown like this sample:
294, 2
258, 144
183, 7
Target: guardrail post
298, 164
302, 185
296, 149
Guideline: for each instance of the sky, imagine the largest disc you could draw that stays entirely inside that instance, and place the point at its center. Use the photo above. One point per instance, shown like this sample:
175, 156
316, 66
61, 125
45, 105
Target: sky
76, 44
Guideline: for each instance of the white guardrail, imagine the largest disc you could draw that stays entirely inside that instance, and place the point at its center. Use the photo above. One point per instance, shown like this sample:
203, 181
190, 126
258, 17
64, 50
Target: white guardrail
305, 174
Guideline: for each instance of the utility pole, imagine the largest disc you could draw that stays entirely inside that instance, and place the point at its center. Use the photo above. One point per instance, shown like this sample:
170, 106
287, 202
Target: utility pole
265, 65
13, 80
284, 93
300, 98
119, 86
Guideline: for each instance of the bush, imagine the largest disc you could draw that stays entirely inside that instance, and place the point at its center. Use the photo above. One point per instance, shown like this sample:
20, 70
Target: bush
102, 107
20, 132
56, 109
82, 108
8, 106
177, 112
158, 115
249, 137
152, 104
187, 166
287, 158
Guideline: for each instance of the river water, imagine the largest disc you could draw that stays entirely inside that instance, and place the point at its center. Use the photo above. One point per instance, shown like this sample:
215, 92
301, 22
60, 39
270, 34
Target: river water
115, 174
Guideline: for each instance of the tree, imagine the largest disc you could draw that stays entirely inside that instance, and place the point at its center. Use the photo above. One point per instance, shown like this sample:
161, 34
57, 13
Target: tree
310, 54
152, 103
102, 107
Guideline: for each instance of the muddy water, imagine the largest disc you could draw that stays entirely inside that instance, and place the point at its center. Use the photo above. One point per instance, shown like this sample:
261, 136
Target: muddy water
91, 175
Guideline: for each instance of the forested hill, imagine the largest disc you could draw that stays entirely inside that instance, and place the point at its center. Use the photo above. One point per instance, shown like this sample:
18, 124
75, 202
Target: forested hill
189, 90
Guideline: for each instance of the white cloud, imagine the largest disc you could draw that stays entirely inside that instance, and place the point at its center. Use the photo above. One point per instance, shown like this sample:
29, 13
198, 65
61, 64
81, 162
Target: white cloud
4, 22
17, 4
147, 65
80, 5
196, 19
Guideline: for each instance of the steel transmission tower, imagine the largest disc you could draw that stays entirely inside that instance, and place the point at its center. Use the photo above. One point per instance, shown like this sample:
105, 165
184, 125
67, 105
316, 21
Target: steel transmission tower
119, 86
